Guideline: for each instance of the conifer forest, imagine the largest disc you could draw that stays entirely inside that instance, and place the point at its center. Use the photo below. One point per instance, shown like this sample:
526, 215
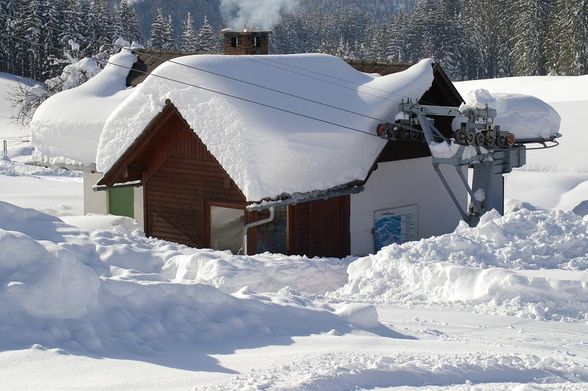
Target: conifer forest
472, 39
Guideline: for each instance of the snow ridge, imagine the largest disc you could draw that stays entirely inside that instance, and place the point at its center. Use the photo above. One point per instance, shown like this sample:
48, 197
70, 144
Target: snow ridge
491, 267
359, 371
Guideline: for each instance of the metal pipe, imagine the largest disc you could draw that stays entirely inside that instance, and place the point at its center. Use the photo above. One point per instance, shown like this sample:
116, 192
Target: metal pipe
246, 227
451, 194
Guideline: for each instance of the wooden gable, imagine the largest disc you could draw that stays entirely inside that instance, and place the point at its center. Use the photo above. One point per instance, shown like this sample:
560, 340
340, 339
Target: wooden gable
180, 178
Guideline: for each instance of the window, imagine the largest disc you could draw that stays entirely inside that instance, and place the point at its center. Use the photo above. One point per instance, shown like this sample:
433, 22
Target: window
234, 42
256, 42
226, 228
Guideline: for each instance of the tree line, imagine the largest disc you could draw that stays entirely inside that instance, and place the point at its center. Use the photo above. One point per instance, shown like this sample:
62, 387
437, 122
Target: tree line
471, 38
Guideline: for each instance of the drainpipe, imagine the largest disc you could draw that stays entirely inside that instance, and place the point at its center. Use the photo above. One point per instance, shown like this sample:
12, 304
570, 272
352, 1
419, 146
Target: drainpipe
255, 224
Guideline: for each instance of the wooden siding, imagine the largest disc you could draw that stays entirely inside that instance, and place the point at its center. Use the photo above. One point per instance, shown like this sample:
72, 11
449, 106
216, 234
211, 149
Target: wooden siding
319, 228
181, 177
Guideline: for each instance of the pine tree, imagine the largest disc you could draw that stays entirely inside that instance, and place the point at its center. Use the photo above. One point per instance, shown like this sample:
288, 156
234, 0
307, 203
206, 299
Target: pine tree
16, 35
158, 31
344, 50
169, 43
101, 25
206, 42
489, 30
528, 36
573, 52
34, 53
188, 40
126, 23
3, 36
51, 26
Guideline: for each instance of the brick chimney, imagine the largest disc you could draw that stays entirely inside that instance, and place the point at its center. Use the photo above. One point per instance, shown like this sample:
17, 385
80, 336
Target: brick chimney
246, 42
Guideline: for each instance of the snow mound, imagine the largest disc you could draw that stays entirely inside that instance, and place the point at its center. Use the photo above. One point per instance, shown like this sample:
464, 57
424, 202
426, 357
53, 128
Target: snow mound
316, 155
523, 115
360, 371
497, 267
44, 280
65, 129
10, 168
64, 294
261, 273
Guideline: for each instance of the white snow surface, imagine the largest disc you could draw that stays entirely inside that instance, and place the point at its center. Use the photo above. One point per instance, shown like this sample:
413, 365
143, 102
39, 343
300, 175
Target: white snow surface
65, 129
57, 289
523, 115
110, 308
491, 267
268, 152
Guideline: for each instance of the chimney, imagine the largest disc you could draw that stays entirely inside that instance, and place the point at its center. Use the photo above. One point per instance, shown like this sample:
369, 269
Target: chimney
245, 42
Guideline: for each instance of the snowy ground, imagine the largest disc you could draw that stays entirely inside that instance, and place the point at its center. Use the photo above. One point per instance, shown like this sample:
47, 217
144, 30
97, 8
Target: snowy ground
87, 302
54, 191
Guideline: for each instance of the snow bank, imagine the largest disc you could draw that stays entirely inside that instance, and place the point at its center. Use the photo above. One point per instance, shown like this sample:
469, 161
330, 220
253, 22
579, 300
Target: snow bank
523, 115
10, 168
490, 267
361, 371
66, 128
60, 288
257, 145
261, 273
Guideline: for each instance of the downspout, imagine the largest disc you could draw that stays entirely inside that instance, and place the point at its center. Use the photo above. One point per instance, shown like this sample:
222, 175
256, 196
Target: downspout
269, 219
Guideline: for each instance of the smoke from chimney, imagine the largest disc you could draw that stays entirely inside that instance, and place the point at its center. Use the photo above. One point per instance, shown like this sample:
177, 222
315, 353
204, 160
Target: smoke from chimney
255, 14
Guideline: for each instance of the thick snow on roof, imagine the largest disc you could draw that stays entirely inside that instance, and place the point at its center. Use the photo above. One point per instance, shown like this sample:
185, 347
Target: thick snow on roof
67, 126
269, 152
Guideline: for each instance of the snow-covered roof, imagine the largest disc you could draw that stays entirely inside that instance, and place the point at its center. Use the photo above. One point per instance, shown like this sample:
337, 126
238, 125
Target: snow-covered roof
269, 152
67, 126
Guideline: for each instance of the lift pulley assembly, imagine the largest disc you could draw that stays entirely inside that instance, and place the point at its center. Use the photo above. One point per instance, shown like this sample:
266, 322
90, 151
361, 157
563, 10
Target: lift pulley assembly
477, 143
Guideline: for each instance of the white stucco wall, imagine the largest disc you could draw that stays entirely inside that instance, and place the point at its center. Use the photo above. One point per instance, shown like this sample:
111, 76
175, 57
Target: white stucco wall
94, 201
138, 206
402, 183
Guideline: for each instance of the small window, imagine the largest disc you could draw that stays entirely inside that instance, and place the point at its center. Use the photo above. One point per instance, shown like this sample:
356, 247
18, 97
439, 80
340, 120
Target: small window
256, 42
234, 42
226, 228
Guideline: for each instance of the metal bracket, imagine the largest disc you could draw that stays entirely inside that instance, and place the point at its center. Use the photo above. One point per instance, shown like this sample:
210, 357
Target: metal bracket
489, 164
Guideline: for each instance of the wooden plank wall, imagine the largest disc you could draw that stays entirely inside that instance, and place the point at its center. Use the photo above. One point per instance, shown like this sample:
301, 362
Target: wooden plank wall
180, 178
320, 228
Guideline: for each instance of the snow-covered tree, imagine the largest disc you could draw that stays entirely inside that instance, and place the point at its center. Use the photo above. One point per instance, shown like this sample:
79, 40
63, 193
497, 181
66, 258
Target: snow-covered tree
34, 53
169, 43
126, 23
206, 41
188, 41
528, 36
567, 37
158, 31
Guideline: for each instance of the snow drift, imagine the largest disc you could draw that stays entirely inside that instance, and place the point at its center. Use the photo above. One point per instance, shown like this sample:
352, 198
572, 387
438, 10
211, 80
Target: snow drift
257, 144
498, 267
65, 129
60, 291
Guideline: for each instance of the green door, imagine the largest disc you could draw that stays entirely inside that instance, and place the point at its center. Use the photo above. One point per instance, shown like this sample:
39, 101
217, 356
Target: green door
120, 201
